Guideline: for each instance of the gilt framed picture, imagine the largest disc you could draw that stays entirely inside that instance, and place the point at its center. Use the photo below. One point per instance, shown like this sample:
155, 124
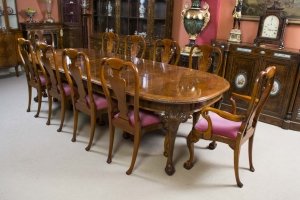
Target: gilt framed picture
252, 9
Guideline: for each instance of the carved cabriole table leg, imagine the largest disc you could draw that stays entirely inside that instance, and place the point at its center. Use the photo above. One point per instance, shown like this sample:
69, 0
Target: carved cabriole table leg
172, 119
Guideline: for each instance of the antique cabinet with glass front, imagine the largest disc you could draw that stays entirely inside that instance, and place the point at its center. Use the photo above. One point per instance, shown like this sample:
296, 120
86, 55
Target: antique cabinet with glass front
149, 18
9, 32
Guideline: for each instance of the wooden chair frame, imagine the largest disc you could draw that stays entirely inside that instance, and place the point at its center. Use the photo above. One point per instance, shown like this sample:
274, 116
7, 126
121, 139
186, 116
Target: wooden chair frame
79, 92
135, 45
32, 70
46, 56
118, 103
166, 51
110, 42
205, 61
260, 93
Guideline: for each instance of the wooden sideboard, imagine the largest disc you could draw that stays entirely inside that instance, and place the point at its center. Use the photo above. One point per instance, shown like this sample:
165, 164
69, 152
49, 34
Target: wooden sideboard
244, 61
52, 32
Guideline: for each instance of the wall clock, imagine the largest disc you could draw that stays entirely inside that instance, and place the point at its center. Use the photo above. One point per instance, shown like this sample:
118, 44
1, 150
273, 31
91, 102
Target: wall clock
271, 27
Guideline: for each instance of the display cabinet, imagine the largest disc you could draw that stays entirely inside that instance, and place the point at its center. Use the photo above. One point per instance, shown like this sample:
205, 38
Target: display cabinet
8, 35
245, 61
72, 20
149, 18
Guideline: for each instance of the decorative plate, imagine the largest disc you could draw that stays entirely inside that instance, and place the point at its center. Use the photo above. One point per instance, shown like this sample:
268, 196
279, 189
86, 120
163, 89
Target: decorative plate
240, 80
276, 88
10, 10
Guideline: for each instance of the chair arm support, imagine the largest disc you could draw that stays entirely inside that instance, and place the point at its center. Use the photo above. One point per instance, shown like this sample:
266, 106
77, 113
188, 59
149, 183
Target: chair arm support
223, 114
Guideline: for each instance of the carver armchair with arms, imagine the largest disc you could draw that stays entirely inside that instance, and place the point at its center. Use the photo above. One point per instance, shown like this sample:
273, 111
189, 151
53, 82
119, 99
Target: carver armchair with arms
35, 75
232, 128
166, 51
208, 54
135, 46
130, 118
56, 88
110, 42
76, 66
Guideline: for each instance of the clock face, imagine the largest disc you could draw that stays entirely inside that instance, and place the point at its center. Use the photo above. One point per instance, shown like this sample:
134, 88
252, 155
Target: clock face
270, 27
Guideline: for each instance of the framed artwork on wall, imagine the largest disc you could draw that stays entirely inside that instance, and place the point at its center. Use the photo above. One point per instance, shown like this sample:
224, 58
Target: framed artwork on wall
252, 9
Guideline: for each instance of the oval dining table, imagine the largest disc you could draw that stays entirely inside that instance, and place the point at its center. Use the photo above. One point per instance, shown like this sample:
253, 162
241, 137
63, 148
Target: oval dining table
172, 91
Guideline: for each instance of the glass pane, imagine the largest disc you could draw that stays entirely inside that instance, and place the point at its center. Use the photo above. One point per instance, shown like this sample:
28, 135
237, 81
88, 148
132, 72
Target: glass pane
132, 26
133, 8
13, 22
2, 22
124, 8
124, 27
159, 29
160, 9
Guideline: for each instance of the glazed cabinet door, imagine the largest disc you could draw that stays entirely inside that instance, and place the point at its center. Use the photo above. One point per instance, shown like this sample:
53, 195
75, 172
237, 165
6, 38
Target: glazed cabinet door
8, 15
241, 71
105, 15
278, 103
149, 18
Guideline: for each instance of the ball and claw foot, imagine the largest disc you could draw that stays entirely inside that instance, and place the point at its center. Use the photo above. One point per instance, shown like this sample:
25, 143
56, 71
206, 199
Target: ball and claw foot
73, 140
108, 160
212, 145
59, 130
36, 116
188, 165
252, 169
28, 110
47, 123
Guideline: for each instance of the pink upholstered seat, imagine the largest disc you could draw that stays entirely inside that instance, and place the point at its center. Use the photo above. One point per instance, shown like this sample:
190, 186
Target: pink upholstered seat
100, 101
220, 126
42, 79
147, 118
67, 89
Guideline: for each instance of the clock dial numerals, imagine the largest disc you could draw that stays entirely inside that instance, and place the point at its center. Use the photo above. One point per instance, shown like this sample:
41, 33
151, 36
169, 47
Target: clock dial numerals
270, 27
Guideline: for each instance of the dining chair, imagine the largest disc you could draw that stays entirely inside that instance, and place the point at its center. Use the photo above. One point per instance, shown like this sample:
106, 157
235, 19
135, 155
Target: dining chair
135, 46
130, 118
166, 51
56, 88
35, 75
232, 128
76, 66
210, 59
110, 42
